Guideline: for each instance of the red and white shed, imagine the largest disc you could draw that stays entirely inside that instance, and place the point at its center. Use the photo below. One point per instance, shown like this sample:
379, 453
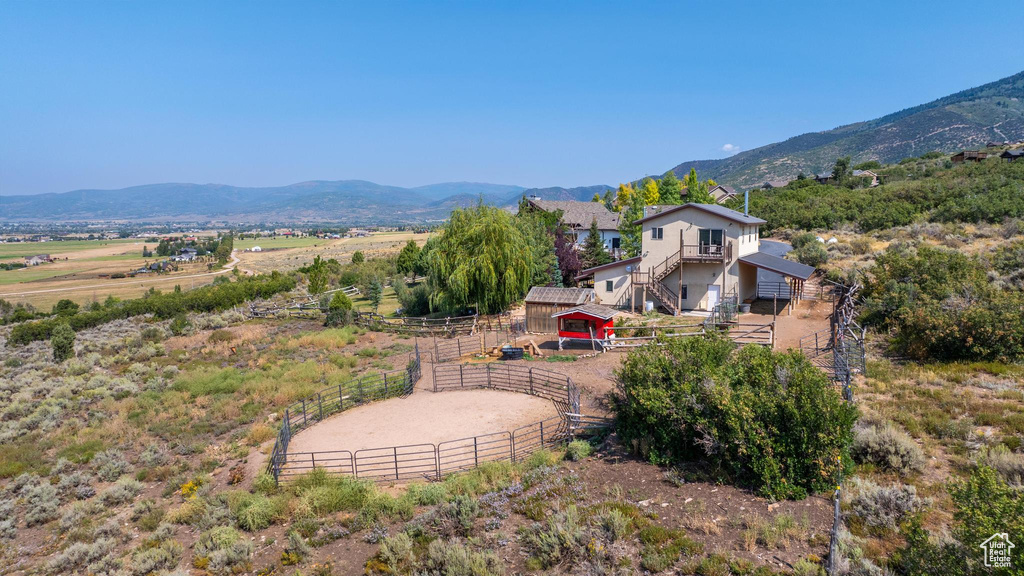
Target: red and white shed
588, 322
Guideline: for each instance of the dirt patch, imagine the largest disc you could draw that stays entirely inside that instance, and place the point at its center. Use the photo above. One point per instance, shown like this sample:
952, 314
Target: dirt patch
422, 418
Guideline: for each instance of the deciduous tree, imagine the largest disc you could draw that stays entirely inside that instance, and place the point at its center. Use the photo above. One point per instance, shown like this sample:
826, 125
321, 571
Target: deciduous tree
481, 259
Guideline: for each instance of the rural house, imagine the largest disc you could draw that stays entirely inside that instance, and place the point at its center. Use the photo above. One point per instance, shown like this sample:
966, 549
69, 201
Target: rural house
577, 216
867, 174
774, 184
693, 257
543, 301
1011, 155
720, 193
185, 255
968, 156
37, 259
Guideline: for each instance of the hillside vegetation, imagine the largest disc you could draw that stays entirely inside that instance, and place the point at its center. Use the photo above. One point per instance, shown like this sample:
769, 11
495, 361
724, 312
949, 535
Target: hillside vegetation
971, 118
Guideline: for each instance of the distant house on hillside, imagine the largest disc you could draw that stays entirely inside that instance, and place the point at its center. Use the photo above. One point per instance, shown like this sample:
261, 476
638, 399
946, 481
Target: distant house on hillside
867, 174
37, 259
774, 184
968, 156
1012, 155
722, 193
578, 216
823, 178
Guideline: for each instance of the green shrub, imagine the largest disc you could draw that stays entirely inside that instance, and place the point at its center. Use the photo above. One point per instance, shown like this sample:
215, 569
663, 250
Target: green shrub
884, 507
253, 512
396, 552
222, 551
755, 414
455, 559
888, 448
560, 539
578, 450
428, 494
813, 254
180, 325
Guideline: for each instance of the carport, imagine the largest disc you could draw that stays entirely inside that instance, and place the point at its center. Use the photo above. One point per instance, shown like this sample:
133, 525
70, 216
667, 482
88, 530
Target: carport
795, 273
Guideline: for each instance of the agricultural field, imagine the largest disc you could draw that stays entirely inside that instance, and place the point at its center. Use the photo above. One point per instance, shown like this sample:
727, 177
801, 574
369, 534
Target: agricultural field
291, 253
81, 269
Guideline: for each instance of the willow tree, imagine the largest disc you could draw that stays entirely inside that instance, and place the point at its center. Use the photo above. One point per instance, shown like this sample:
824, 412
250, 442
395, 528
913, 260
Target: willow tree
481, 259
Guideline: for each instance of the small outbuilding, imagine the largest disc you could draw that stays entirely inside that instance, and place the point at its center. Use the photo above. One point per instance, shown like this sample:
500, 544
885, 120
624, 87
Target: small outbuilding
588, 322
543, 301
1011, 155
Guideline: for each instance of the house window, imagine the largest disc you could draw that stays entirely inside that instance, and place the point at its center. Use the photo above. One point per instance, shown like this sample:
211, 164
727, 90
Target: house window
682, 293
615, 243
609, 286
712, 237
657, 233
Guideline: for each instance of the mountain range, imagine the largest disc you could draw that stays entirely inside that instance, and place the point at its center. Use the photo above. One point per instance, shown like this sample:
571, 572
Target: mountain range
971, 118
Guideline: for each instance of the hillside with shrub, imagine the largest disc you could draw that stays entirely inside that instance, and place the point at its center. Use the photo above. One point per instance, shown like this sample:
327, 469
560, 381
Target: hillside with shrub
968, 119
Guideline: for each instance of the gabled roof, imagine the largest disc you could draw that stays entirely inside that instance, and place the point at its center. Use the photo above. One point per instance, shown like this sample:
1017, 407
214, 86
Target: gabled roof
590, 271
1013, 154
780, 265
580, 214
775, 184
595, 310
553, 295
727, 213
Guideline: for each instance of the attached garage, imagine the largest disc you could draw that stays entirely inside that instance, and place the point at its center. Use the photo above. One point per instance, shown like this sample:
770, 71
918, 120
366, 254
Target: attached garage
542, 302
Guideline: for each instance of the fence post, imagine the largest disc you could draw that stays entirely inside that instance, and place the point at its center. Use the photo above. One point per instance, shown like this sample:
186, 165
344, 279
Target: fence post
541, 433
396, 462
488, 375
462, 381
341, 400
476, 456
320, 404
531, 380
385, 384
312, 455
303, 412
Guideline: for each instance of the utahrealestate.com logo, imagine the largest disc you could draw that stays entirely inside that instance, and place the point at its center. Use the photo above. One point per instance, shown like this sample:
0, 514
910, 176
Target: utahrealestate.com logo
997, 550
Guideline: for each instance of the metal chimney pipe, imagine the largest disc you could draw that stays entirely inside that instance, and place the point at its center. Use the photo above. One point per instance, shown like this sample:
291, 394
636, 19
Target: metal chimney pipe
746, 203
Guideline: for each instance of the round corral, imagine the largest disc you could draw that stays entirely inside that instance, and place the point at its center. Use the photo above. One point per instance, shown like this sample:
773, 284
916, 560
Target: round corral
423, 418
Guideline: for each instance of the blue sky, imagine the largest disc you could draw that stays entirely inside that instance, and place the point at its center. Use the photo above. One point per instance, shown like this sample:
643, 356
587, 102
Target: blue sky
113, 94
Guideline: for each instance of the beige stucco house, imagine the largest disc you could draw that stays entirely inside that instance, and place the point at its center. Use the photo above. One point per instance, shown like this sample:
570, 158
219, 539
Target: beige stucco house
693, 257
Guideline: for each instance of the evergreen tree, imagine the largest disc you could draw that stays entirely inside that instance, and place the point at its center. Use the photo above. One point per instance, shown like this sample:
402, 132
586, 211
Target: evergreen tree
631, 233
375, 293
609, 200
407, 257
357, 257
670, 189
316, 275
593, 249
841, 170
62, 339
697, 192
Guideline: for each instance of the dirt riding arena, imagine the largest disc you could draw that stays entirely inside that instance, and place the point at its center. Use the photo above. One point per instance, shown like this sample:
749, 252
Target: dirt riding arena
423, 417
